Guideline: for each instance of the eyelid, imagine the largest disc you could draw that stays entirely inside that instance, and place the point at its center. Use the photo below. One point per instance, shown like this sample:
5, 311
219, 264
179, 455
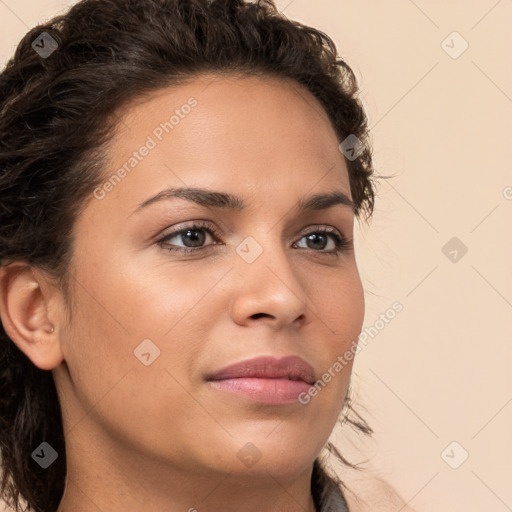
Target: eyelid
199, 224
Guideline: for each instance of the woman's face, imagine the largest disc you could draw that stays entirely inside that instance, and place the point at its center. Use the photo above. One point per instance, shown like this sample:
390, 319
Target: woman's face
151, 326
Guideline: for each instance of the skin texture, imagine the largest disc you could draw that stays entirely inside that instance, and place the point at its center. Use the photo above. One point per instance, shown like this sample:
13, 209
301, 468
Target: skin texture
159, 437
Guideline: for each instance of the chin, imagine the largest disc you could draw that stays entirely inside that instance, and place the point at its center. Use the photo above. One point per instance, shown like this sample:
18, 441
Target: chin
284, 458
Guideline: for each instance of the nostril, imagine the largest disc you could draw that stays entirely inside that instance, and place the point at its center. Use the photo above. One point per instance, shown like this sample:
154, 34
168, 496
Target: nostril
258, 315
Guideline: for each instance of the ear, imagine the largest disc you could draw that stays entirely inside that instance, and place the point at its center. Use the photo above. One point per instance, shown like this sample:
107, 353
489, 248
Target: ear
24, 301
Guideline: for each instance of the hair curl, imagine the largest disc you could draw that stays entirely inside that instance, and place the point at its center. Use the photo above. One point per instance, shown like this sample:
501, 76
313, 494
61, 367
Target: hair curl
57, 117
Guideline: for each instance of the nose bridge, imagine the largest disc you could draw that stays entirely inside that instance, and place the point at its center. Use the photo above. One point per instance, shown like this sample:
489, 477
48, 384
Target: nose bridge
267, 275
263, 249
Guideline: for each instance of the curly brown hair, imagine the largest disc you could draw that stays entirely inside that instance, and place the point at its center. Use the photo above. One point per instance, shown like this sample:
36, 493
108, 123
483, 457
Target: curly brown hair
58, 112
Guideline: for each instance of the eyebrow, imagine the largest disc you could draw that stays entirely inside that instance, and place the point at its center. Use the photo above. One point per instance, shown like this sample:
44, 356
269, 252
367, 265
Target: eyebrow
227, 201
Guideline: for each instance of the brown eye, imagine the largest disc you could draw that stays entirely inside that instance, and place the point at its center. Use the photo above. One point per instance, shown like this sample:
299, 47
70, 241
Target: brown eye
318, 241
192, 237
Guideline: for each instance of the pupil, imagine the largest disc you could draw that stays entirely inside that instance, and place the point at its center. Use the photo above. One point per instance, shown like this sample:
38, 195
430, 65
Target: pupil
197, 240
313, 236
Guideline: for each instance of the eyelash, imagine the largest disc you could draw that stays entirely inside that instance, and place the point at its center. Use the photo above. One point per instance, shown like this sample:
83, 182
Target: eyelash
341, 242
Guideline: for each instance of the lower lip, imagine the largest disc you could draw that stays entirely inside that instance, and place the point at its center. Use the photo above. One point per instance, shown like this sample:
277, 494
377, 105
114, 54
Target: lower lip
265, 391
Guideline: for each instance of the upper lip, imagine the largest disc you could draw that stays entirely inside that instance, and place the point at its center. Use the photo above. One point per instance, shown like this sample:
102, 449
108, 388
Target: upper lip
268, 367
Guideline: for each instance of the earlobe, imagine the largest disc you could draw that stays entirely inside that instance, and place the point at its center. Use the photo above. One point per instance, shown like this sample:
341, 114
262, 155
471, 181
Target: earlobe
24, 315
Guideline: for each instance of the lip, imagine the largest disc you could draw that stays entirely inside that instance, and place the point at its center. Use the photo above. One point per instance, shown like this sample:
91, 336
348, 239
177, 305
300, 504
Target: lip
266, 379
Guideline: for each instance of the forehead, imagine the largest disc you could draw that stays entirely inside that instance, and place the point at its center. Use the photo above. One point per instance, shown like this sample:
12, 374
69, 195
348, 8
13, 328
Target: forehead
253, 134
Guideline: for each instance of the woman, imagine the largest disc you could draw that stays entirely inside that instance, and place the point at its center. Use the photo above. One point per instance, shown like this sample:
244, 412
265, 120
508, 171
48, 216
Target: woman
179, 182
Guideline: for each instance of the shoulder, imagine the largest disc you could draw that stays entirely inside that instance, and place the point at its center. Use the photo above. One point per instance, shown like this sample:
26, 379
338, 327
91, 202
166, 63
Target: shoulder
371, 493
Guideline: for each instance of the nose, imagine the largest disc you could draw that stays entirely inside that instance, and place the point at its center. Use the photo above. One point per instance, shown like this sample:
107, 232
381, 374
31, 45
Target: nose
269, 290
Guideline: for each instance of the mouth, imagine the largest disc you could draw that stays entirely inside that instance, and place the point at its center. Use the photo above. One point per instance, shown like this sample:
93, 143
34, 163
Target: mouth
269, 380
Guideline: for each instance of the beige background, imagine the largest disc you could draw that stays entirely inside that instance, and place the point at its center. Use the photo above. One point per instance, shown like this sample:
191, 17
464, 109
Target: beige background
440, 371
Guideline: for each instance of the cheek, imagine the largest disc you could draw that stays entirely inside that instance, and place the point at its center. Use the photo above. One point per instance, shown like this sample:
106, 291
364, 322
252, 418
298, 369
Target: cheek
341, 315
161, 299
353, 306
96, 346
342, 309
112, 387
170, 305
